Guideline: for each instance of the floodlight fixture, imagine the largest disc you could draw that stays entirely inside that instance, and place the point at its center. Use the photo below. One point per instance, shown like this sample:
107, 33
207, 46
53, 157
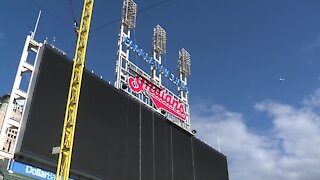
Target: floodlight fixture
129, 13
159, 40
184, 62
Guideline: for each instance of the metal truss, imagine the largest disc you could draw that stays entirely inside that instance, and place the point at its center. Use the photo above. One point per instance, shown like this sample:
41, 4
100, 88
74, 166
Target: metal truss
12, 122
69, 126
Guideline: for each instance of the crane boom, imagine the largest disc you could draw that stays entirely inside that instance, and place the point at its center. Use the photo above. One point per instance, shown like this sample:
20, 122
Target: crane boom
74, 93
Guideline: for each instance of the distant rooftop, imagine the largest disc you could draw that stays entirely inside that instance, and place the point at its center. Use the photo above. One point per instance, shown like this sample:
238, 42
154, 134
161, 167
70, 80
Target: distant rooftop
4, 99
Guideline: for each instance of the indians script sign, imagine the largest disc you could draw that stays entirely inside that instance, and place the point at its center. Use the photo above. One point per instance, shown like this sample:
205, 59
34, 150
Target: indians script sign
160, 98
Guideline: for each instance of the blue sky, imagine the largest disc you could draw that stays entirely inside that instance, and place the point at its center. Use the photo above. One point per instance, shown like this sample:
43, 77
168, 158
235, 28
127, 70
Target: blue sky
239, 51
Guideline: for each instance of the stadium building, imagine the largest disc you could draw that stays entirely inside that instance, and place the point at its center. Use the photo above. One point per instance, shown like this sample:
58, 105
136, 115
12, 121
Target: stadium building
136, 129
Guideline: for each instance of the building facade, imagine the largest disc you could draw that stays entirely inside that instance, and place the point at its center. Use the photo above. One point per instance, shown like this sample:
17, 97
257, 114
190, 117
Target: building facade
16, 116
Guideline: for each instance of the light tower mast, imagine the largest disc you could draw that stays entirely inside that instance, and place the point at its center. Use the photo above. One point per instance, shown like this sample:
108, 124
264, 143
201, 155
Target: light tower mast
129, 14
158, 49
184, 72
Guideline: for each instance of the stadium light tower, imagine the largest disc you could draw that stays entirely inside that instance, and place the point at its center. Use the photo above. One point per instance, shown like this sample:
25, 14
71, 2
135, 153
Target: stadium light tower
158, 49
184, 63
184, 71
129, 14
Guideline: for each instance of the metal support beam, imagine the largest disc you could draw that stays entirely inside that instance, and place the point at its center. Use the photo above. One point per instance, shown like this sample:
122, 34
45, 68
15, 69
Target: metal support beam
12, 119
129, 15
74, 94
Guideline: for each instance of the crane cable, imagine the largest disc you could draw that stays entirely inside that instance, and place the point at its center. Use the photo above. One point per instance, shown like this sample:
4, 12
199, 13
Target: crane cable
74, 17
140, 11
111, 22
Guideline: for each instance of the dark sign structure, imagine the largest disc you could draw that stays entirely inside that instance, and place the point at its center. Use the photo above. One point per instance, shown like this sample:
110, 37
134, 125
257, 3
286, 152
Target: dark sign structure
116, 137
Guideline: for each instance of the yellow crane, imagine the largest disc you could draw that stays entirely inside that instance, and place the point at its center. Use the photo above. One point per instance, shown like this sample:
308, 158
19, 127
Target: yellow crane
74, 93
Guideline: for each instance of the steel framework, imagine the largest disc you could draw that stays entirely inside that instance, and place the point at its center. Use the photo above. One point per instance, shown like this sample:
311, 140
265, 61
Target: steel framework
12, 124
126, 68
74, 93
184, 70
184, 62
159, 48
129, 14
159, 40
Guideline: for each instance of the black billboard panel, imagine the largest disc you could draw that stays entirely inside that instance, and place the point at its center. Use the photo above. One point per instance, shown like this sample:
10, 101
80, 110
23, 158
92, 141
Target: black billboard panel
209, 164
162, 149
43, 127
100, 137
116, 137
182, 154
147, 144
132, 141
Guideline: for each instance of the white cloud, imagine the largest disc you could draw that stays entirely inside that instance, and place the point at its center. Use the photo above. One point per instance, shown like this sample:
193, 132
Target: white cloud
290, 149
313, 100
312, 45
299, 131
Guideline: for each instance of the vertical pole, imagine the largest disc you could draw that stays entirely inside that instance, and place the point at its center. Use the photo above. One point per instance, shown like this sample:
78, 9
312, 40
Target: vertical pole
158, 49
184, 72
128, 21
70, 119
36, 26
